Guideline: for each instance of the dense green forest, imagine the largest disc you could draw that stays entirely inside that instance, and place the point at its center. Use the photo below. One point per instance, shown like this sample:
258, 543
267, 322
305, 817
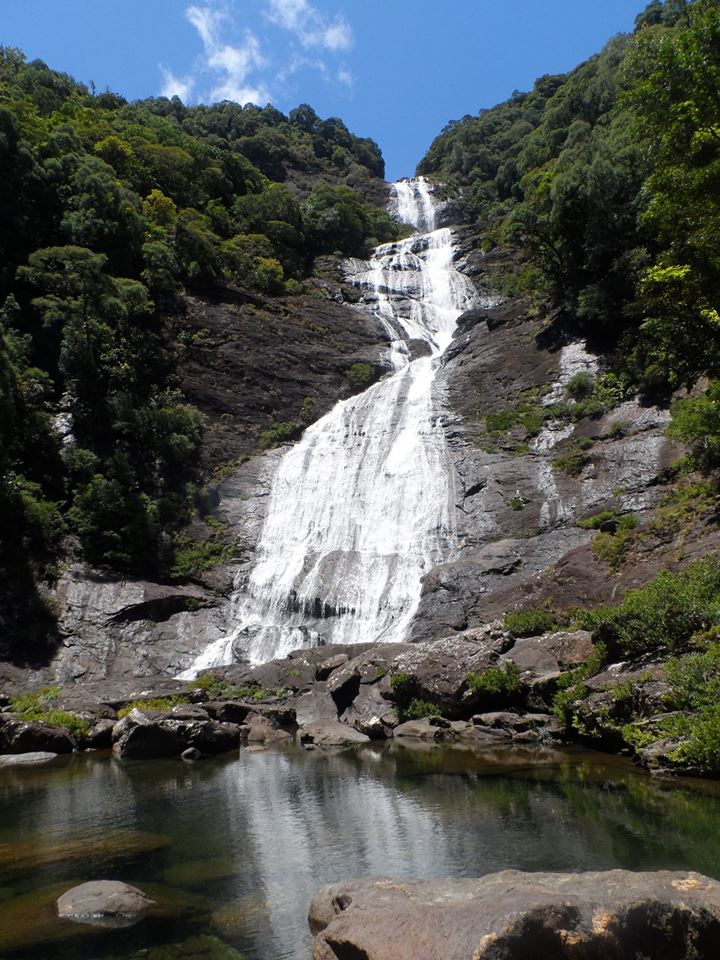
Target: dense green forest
109, 210
607, 182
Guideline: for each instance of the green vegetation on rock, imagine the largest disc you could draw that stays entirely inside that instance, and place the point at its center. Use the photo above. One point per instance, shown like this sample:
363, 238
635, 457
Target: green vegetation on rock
37, 706
530, 622
153, 703
360, 375
498, 680
664, 615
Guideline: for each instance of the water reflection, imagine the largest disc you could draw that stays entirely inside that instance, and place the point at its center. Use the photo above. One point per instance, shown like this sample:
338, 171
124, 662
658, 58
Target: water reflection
236, 847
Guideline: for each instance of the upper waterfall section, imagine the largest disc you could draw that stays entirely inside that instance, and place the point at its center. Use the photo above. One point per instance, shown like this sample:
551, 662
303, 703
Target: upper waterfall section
362, 507
413, 204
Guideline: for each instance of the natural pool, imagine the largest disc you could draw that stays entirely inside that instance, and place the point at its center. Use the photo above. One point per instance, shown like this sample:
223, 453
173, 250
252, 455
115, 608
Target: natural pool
234, 848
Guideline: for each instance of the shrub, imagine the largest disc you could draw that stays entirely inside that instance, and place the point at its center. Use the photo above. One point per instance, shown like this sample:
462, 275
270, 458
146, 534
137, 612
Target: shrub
572, 464
571, 686
696, 422
403, 684
193, 557
665, 614
612, 548
529, 416
407, 703
701, 749
530, 623
609, 521
417, 709
280, 432
213, 687
695, 679
581, 387
34, 706
501, 680
360, 375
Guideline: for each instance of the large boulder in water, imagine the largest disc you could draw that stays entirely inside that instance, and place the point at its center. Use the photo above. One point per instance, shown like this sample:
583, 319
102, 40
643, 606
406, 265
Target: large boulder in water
330, 733
511, 915
145, 736
34, 736
259, 728
104, 903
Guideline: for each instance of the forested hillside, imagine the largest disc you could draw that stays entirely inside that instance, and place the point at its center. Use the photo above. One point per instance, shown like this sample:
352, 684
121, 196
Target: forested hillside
596, 198
606, 182
108, 212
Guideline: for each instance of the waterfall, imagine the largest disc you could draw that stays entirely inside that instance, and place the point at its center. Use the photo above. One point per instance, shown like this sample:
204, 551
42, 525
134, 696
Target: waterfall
363, 505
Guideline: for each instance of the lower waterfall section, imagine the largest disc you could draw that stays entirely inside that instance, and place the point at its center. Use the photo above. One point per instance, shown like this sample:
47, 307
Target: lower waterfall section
362, 506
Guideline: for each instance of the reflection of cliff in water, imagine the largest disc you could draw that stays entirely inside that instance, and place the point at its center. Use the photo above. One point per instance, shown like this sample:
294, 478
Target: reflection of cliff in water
254, 837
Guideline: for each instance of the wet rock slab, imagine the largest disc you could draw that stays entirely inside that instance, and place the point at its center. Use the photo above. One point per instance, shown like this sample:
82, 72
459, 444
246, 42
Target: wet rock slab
26, 759
614, 915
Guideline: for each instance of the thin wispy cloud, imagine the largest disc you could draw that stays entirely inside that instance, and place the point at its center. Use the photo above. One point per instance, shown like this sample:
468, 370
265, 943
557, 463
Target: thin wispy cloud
176, 86
309, 26
232, 64
235, 64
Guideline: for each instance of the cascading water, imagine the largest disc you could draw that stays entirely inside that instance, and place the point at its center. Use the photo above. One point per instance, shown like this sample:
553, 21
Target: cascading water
362, 506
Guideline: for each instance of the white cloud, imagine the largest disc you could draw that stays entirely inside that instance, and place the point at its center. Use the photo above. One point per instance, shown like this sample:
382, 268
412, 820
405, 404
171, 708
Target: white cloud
309, 26
176, 86
231, 63
290, 14
207, 22
227, 69
233, 66
338, 36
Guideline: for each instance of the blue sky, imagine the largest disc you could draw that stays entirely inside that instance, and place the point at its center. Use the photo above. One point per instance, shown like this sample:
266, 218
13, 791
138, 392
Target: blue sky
394, 70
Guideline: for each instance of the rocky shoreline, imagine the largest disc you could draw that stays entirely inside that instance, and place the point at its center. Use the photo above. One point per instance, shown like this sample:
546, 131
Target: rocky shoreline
479, 689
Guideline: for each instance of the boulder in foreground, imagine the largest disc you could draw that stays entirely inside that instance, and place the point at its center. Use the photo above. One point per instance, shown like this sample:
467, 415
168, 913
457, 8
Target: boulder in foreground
105, 903
616, 915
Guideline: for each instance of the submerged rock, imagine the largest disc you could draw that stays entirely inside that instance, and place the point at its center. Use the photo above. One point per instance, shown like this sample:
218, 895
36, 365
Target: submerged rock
105, 903
617, 915
196, 948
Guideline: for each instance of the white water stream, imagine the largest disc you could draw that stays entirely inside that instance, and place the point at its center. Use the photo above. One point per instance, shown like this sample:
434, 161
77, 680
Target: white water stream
362, 506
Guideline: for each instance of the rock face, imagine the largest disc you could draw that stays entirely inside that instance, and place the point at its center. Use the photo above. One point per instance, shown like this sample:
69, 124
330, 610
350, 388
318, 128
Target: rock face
129, 628
511, 915
260, 728
104, 903
281, 350
518, 496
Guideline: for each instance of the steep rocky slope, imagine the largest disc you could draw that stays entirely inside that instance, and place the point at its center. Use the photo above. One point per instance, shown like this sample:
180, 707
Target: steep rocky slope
248, 366
525, 476
520, 492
